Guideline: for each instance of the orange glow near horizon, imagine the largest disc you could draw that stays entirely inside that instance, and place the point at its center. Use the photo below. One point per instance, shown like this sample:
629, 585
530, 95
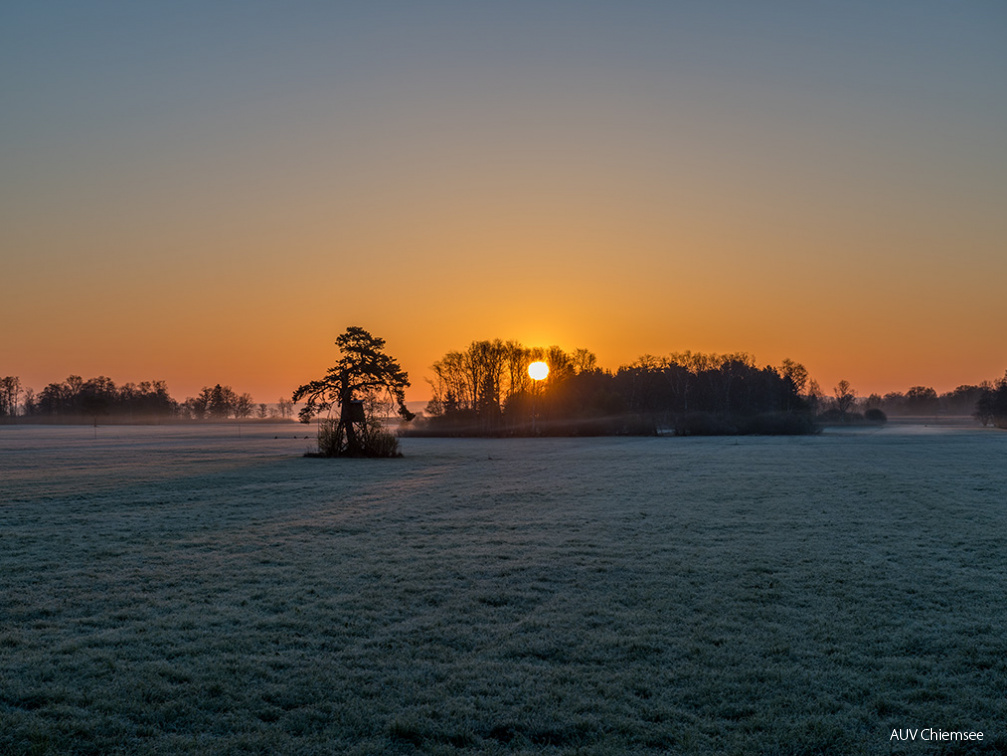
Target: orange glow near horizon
643, 180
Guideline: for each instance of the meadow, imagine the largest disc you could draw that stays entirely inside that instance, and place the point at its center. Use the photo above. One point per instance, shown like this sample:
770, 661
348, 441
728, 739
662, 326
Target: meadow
208, 590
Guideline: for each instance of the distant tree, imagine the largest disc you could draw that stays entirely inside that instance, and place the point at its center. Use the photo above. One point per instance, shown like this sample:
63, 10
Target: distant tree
845, 397
28, 403
1000, 402
815, 396
221, 402
263, 411
243, 406
475, 386
991, 407
195, 406
796, 373
96, 397
875, 415
10, 391
984, 403
584, 361
961, 401
56, 398
894, 402
363, 372
285, 407
921, 400
485, 362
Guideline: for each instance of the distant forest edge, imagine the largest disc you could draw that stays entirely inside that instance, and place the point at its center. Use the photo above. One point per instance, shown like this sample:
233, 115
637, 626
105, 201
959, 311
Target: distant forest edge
99, 399
486, 390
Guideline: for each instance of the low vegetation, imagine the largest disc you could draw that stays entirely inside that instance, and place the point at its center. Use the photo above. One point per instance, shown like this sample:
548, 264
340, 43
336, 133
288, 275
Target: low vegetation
372, 440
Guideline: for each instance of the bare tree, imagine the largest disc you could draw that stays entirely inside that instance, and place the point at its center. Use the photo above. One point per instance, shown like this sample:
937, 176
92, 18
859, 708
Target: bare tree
243, 406
845, 396
796, 372
285, 407
10, 392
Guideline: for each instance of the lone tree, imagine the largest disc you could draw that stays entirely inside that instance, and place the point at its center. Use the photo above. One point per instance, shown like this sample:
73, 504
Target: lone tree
363, 378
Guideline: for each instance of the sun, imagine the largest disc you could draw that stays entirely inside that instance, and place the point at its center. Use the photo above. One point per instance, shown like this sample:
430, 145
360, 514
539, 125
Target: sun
538, 370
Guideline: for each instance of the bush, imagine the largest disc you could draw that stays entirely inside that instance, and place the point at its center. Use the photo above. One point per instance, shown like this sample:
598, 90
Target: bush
875, 416
372, 441
331, 438
835, 417
377, 442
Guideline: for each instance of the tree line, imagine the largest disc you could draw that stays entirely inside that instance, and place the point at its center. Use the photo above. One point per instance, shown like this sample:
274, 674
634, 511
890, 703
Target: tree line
76, 399
986, 402
486, 390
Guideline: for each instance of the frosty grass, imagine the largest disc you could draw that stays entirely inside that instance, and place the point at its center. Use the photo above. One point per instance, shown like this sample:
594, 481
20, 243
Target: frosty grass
208, 590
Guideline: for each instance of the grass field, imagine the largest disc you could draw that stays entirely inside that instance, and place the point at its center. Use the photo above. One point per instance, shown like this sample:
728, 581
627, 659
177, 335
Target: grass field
196, 591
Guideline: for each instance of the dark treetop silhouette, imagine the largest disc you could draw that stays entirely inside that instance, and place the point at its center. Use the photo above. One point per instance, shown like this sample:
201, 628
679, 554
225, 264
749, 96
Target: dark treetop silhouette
485, 390
364, 371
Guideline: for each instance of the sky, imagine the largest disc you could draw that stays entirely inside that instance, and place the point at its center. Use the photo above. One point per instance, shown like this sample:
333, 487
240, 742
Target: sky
210, 192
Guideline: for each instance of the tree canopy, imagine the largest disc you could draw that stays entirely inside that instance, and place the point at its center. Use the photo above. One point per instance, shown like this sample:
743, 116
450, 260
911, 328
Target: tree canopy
363, 371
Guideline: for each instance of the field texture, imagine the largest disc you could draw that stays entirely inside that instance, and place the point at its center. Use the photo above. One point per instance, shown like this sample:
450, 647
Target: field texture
210, 591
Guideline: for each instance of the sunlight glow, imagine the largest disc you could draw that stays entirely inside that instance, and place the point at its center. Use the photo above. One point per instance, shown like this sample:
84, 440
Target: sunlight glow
538, 371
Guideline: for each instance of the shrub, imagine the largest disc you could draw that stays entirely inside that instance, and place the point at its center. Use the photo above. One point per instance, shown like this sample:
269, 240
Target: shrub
377, 442
331, 438
835, 417
373, 440
876, 416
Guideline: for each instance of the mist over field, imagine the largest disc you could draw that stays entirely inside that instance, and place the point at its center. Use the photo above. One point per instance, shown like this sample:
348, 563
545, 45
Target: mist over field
192, 590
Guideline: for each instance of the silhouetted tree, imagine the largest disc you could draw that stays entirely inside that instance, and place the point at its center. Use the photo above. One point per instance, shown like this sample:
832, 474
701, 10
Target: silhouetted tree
845, 396
96, 397
28, 403
894, 402
991, 407
1000, 403
815, 396
243, 406
363, 371
285, 407
796, 373
474, 386
692, 392
962, 400
10, 391
221, 402
921, 400
985, 403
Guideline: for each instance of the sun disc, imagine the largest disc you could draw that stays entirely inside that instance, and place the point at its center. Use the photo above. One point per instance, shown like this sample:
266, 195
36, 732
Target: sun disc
538, 370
